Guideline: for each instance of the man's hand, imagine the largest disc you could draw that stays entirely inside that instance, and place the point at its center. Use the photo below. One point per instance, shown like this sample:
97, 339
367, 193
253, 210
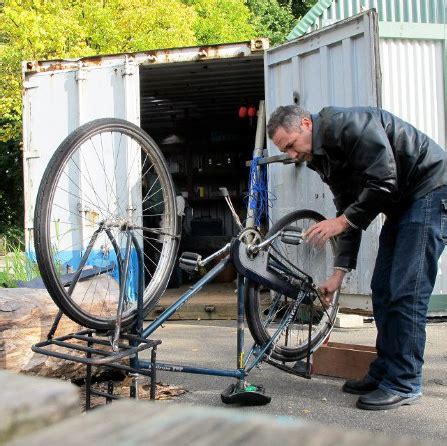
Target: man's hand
330, 286
321, 232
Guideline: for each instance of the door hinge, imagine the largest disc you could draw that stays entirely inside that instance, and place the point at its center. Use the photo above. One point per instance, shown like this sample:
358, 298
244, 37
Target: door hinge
129, 67
31, 154
27, 85
81, 75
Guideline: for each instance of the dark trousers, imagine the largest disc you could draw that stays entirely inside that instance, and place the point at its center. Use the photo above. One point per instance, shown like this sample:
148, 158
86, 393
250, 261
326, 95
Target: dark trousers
403, 280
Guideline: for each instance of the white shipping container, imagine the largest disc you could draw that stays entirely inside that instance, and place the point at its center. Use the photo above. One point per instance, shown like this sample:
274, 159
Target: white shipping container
337, 65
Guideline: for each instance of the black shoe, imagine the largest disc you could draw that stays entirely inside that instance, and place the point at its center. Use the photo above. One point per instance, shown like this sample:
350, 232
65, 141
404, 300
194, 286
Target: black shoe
360, 386
382, 400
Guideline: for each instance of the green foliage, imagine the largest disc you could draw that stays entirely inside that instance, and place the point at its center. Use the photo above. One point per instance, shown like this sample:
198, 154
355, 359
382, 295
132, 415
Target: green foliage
17, 265
11, 190
219, 21
299, 7
271, 20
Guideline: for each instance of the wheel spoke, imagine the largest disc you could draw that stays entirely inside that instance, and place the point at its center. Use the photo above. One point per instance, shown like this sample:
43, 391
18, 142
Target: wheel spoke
267, 309
107, 179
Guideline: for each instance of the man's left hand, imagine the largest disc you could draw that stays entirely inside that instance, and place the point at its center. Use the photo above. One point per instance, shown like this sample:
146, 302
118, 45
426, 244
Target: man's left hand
321, 232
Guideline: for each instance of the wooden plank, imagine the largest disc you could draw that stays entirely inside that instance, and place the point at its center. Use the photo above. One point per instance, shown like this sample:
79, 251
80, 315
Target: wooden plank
29, 403
217, 301
340, 360
140, 423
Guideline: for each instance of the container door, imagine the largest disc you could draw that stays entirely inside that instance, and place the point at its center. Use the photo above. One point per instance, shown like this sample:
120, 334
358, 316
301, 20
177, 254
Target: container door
57, 101
337, 65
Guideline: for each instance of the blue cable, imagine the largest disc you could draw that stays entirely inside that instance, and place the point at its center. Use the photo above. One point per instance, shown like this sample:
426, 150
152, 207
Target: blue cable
258, 184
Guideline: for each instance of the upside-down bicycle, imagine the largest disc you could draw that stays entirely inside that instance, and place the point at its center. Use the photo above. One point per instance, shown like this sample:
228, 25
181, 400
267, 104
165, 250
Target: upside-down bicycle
106, 238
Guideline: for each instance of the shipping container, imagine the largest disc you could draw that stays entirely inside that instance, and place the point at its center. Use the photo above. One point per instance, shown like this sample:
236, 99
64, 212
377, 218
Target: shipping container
188, 100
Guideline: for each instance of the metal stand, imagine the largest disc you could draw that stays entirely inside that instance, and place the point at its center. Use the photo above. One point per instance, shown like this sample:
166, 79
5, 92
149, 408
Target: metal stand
114, 346
96, 350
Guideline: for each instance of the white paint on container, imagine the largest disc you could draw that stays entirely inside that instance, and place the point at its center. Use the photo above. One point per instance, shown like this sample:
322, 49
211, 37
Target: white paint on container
58, 101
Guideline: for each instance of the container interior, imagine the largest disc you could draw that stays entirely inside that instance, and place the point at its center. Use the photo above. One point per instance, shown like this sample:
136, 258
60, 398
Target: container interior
192, 110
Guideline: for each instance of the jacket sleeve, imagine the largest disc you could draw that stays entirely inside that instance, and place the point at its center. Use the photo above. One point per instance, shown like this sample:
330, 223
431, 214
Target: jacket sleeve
348, 242
368, 151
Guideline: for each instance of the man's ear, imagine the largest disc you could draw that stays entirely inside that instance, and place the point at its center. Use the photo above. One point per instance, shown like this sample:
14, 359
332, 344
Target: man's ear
306, 123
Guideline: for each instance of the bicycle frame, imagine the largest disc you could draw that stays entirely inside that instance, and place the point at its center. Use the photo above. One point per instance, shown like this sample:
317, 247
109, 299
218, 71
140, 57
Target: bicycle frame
236, 253
243, 366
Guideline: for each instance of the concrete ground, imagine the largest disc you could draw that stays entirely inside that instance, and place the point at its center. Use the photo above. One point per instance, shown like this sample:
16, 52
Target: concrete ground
212, 344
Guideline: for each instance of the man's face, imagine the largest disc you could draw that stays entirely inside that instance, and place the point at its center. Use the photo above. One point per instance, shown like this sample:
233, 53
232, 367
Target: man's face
296, 143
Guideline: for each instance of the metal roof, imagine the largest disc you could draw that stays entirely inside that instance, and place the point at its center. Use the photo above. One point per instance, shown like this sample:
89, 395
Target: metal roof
326, 12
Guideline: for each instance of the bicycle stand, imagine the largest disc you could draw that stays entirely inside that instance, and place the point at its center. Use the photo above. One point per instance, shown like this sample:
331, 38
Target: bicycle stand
94, 349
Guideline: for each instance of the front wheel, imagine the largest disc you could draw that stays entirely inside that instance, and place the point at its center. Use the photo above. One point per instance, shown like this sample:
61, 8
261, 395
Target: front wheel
106, 223
266, 309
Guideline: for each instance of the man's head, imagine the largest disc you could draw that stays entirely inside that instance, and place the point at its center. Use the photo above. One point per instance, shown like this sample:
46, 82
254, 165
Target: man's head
290, 129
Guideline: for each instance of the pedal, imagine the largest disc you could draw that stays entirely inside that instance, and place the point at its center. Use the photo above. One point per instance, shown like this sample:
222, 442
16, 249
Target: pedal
247, 395
292, 235
190, 262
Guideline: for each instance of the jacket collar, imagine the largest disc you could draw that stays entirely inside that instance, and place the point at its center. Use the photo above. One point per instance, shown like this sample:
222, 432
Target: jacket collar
317, 137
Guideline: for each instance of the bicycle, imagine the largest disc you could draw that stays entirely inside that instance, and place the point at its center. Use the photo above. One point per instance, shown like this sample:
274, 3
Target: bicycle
106, 246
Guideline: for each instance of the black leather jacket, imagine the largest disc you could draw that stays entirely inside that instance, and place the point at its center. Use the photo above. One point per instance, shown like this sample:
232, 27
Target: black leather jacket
373, 162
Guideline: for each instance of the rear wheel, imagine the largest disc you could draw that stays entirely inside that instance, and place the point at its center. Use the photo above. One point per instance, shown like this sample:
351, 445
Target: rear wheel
266, 309
106, 200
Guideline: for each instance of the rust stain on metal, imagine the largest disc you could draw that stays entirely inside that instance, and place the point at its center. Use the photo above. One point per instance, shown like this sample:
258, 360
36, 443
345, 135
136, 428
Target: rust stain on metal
93, 60
55, 67
259, 44
219, 51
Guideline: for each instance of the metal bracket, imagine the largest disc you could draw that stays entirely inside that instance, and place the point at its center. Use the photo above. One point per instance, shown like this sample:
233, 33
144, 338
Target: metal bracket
81, 74
27, 85
259, 44
129, 67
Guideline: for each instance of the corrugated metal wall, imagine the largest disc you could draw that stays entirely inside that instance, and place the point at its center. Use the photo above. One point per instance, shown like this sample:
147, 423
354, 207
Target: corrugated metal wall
413, 11
413, 85
57, 102
336, 66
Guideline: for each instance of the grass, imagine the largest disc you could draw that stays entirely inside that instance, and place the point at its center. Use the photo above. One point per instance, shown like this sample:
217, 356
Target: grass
17, 265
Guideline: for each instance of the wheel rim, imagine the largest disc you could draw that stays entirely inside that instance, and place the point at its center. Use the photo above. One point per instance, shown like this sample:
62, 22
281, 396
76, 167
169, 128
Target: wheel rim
272, 307
111, 185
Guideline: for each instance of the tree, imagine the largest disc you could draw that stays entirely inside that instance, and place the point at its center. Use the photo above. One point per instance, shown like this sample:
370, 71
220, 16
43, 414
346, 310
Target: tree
299, 7
271, 19
219, 21
11, 201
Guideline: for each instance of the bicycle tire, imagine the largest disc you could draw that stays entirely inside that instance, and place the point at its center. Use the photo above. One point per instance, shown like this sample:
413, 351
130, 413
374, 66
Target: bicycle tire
264, 307
133, 193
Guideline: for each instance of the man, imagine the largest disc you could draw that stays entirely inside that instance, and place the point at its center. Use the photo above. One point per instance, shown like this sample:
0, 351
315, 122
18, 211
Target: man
375, 162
